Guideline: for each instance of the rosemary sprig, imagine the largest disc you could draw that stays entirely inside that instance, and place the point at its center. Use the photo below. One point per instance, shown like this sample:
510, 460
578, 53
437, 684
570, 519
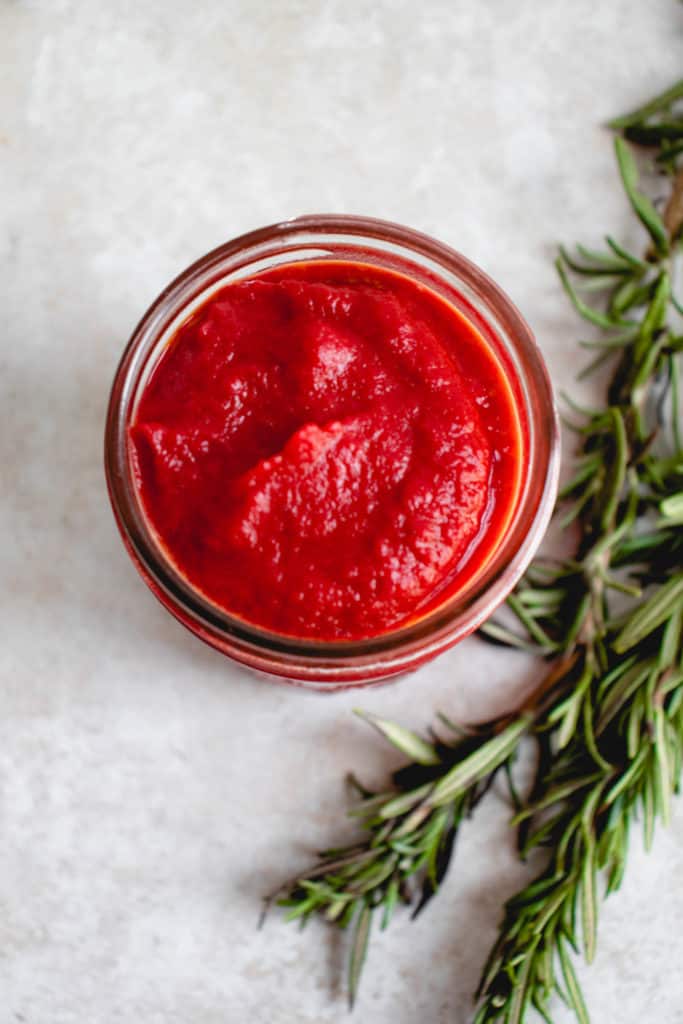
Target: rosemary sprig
411, 828
607, 716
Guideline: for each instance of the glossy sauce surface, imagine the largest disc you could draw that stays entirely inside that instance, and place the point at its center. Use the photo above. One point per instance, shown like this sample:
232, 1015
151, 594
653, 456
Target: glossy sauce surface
327, 450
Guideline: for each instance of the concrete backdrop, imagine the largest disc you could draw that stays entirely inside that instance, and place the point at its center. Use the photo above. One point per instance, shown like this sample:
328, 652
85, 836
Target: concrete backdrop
152, 792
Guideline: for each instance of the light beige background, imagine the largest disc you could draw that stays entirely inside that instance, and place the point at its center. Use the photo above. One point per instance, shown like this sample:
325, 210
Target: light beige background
152, 791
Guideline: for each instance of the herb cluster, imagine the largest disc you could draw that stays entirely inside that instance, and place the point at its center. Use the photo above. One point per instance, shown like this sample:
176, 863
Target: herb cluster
607, 716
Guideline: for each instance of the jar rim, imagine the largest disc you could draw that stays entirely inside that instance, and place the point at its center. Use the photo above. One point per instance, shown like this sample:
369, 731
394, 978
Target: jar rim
349, 661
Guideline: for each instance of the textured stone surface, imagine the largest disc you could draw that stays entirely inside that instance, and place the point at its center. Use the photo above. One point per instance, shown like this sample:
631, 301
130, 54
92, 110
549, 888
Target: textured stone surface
151, 791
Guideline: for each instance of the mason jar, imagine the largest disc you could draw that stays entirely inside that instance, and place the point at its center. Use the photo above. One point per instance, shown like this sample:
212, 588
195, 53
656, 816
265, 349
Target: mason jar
322, 664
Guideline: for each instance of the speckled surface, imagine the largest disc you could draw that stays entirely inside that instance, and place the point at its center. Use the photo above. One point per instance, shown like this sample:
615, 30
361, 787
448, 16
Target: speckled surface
151, 791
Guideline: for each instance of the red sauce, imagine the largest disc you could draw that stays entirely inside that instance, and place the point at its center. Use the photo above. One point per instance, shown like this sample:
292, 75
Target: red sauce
327, 450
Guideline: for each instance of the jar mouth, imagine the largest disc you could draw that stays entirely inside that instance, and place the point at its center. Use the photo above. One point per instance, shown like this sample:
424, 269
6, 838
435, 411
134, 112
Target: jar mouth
341, 237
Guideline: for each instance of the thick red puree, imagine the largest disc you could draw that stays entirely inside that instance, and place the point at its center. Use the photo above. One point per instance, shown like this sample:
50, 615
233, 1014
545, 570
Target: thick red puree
327, 450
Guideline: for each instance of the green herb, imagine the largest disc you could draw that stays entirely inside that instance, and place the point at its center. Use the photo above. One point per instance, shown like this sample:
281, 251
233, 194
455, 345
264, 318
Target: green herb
607, 716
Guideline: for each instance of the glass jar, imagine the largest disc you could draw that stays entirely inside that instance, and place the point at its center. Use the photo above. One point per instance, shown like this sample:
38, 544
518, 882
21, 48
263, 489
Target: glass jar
321, 664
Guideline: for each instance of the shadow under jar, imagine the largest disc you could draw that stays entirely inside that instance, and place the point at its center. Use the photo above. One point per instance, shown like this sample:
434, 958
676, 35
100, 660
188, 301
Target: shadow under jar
343, 283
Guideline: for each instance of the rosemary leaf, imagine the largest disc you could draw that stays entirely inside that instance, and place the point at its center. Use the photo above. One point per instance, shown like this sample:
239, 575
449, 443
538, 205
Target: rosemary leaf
642, 206
663, 101
482, 762
666, 600
403, 739
359, 951
573, 989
